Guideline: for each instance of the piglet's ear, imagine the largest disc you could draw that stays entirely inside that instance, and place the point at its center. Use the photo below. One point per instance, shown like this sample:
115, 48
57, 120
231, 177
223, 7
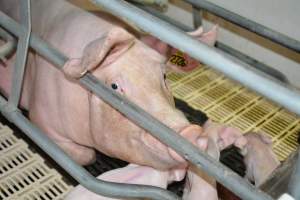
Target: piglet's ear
100, 52
181, 62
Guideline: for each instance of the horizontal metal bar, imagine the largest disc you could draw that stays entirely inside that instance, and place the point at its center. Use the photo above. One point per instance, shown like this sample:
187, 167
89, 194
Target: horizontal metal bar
252, 62
247, 24
110, 189
223, 174
21, 55
230, 66
241, 56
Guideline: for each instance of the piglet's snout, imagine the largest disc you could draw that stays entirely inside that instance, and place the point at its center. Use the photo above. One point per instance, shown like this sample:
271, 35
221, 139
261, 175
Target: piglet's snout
194, 134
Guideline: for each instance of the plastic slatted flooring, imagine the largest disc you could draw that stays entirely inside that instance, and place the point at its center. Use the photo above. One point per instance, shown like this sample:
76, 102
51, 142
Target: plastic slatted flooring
227, 101
24, 174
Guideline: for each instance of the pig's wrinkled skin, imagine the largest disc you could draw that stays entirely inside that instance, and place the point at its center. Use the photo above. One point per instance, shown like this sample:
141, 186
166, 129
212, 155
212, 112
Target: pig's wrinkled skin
76, 119
260, 159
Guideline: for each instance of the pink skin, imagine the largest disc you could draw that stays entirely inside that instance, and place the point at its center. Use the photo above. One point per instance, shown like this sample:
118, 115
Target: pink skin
76, 119
175, 56
199, 185
260, 159
131, 174
135, 174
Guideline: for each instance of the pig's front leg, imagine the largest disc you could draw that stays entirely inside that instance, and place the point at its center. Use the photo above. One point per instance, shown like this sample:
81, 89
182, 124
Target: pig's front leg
132, 174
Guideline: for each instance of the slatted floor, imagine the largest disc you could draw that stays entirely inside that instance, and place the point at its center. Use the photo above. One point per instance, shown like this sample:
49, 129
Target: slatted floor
24, 174
227, 101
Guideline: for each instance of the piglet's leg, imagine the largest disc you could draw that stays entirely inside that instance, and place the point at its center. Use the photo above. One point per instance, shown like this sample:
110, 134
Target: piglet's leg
132, 174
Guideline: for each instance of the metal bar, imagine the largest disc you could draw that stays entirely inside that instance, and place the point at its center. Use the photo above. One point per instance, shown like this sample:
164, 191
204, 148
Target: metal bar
21, 55
247, 24
197, 17
160, 3
8, 48
109, 189
294, 184
241, 56
224, 175
252, 62
284, 95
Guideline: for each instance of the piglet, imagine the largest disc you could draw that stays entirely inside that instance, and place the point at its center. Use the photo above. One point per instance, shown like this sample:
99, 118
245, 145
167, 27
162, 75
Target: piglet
199, 185
260, 159
132, 174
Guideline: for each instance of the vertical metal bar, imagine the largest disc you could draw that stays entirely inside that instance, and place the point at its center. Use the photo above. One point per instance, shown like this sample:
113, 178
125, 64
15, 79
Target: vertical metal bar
247, 24
197, 17
294, 184
224, 175
21, 55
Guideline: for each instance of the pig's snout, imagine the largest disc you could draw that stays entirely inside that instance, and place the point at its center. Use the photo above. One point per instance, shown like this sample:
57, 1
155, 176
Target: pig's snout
193, 134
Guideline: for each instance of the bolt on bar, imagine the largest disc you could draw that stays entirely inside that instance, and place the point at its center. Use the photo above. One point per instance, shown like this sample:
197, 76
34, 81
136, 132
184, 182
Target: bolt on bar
230, 66
241, 56
247, 24
21, 55
223, 174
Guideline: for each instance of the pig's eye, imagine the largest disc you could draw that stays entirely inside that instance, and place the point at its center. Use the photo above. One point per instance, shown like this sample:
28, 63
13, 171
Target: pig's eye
114, 86
165, 76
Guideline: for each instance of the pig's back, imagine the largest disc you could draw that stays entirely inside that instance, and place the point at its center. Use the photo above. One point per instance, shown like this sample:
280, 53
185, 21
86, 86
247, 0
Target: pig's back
64, 26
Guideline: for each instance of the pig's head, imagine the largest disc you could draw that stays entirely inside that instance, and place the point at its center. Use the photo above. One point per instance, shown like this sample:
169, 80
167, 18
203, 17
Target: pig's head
136, 72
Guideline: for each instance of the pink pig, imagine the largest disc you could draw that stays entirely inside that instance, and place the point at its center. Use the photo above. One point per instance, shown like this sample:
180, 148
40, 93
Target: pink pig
76, 119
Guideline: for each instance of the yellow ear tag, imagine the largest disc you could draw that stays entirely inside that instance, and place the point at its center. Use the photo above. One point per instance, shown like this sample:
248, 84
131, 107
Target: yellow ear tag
178, 59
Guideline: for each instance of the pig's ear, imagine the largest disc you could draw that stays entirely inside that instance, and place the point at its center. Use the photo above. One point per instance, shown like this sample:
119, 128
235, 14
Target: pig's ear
100, 52
181, 62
